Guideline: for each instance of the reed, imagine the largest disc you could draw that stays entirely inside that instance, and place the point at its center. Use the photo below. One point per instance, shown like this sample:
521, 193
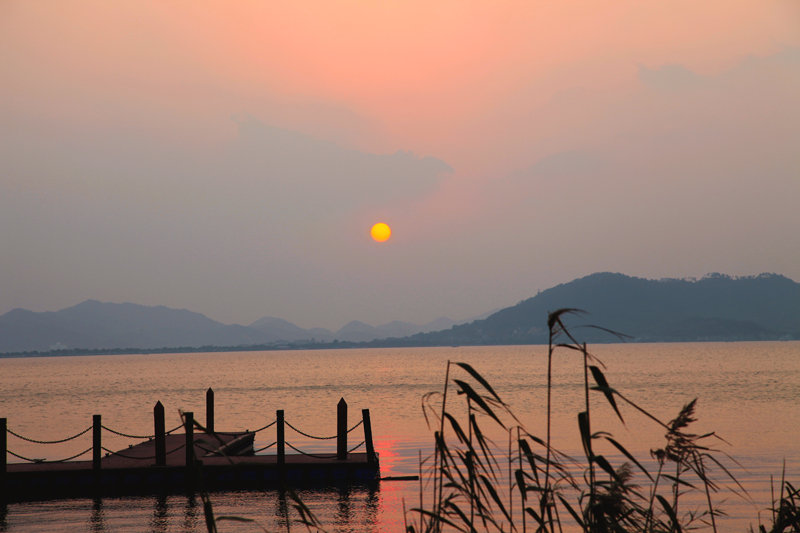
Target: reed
463, 487
471, 484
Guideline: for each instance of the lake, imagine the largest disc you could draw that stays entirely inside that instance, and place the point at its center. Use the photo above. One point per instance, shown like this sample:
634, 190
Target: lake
749, 394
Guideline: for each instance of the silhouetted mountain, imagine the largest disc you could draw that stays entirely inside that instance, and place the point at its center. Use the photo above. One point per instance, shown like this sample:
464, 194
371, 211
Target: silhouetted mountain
95, 325
440, 323
280, 330
716, 307
356, 331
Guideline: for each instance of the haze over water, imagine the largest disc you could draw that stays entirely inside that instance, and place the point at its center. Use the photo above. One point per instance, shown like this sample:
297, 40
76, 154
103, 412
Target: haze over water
747, 394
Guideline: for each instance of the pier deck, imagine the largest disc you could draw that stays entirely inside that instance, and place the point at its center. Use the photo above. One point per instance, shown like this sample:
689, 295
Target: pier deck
187, 462
137, 473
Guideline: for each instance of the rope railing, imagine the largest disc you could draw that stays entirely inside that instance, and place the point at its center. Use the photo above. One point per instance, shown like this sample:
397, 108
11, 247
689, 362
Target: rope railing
176, 428
209, 450
144, 458
81, 433
280, 443
87, 450
266, 447
266, 427
121, 434
153, 457
307, 435
317, 456
321, 438
120, 454
357, 446
182, 446
59, 441
18, 456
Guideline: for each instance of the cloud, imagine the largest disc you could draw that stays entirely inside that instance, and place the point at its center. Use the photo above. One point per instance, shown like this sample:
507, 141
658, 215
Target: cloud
564, 163
321, 178
698, 175
668, 77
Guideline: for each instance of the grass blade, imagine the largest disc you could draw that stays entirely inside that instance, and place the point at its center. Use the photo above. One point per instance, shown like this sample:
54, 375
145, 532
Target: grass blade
630, 457
480, 379
602, 385
670, 512
467, 389
574, 514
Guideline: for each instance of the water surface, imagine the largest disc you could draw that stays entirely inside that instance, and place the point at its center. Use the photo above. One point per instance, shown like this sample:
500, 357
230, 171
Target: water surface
748, 393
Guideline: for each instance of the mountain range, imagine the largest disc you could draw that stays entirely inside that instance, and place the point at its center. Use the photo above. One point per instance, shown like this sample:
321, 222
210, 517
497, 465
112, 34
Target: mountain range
94, 325
716, 307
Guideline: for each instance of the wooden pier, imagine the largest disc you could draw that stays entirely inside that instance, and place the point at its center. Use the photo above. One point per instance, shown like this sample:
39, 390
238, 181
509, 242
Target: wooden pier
196, 459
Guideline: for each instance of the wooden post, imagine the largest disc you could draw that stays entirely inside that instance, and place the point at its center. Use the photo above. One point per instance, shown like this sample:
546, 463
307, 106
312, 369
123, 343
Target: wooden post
3, 446
188, 427
281, 437
97, 446
371, 457
210, 410
160, 434
341, 430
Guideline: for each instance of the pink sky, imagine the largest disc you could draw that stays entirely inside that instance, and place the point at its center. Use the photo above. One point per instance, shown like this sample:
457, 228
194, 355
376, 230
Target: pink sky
230, 157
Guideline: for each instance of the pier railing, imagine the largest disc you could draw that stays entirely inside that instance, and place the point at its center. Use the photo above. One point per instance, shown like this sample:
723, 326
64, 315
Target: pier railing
189, 425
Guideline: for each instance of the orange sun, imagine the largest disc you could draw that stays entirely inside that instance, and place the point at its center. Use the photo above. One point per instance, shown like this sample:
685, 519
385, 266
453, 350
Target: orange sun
380, 232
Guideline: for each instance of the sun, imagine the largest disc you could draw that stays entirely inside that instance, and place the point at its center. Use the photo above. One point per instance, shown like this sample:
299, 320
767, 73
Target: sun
380, 232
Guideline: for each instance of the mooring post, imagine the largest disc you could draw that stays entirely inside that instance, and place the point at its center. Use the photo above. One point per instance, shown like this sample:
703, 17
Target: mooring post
188, 427
210, 410
97, 445
3, 446
341, 430
160, 434
280, 437
371, 458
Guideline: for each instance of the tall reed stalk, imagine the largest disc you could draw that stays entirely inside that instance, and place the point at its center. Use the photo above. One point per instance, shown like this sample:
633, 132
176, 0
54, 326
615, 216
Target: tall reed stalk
547, 491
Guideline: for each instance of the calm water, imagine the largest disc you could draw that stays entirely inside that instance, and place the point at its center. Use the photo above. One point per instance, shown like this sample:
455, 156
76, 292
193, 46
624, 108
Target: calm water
749, 393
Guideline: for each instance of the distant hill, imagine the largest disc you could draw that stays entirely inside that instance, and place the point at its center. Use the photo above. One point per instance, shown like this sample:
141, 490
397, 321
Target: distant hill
97, 325
94, 325
716, 307
356, 331
280, 330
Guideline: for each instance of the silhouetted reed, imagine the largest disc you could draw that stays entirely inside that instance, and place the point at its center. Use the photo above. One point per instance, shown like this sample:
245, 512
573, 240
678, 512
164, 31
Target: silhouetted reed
470, 484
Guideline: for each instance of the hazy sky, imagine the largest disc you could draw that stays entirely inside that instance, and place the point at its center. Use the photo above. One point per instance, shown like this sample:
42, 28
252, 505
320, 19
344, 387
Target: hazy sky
230, 157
